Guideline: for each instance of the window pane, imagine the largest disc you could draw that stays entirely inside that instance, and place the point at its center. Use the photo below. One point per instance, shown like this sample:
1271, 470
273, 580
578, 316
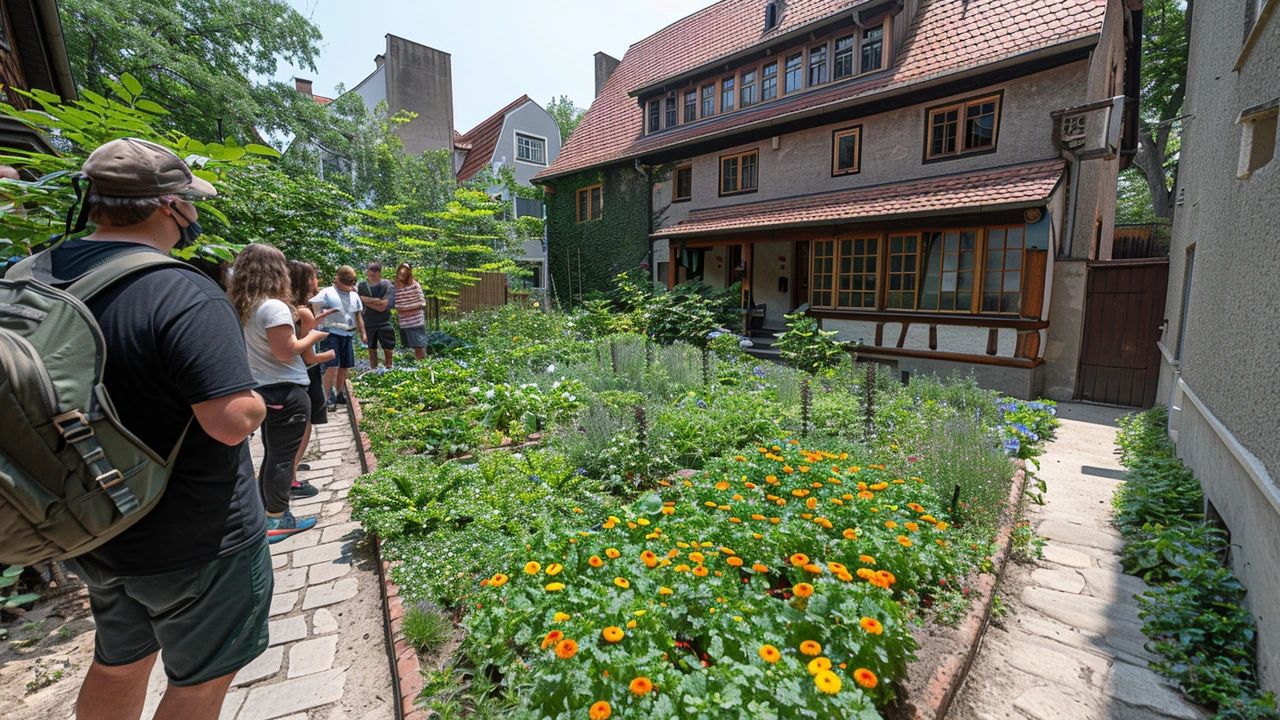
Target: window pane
1013, 260
726, 95
964, 281
1011, 281
1015, 237
964, 301
729, 175
952, 242
995, 259
948, 284
1010, 303
769, 83
672, 117
583, 209
995, 238
872, 48
992, 282
708, 100
946, 301
597, 203
817, 65
991, 302
655, 118
795, 73
749, 172
847, 153
968, 240
691, 106
684, 182
843, 59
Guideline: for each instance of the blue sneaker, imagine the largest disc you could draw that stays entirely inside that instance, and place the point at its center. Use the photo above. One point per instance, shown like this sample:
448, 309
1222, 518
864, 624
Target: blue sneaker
279, 528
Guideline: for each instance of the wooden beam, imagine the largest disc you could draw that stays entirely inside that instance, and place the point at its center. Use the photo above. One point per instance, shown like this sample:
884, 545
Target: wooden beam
999, 360
959, 319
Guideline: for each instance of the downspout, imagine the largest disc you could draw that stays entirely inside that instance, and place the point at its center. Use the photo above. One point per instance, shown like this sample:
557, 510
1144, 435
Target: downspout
51, 27
1068, 232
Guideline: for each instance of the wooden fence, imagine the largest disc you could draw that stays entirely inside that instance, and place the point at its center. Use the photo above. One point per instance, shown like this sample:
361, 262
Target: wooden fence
1140, 241
491, 291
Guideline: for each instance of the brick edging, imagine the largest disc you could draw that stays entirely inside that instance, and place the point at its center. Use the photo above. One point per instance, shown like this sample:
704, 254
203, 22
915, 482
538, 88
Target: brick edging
951, 673
406, 670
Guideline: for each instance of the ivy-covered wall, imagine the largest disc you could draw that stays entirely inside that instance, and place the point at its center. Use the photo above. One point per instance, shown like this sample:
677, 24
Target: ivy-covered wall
618, 241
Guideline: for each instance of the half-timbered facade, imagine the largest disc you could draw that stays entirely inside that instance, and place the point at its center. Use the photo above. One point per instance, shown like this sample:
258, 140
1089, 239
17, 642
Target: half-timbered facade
897, 167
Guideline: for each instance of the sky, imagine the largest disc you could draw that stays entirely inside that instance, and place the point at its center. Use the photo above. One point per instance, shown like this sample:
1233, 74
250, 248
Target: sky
501, 49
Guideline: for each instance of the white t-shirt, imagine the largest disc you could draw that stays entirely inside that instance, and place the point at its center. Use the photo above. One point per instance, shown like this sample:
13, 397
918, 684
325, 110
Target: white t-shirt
349, 306
266, 369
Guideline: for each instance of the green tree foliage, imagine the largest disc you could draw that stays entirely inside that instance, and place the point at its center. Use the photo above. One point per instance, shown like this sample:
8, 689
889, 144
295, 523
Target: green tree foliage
808, 347
1165, 32
200, 58
566, 114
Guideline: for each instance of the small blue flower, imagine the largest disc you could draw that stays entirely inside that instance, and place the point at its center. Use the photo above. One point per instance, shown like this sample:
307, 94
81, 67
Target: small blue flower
1012, 446
702, 403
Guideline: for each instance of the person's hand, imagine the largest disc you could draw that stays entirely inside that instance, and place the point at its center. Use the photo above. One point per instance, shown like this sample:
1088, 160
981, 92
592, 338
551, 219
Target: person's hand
325, 313
317, 336
364, 337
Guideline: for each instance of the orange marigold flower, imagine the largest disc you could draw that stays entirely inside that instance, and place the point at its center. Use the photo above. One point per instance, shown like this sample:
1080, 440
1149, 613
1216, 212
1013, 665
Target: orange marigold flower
811, 648
803, 468
775, 520
600, 711
612, 553
911, 526
942, 526
916, 507
771, 479
622, 582
612, 634
866, 559
865, 678
866, 495
760, 568
770, 654
649, 559
905, 541
890, 524
813, 569
697, 557
811, 503
799, 559
682, 568
722, 485
734, 561
566, 649
887, 577
665, 591
803, 590
554, 569
668, 511
819, 664
595, 561
532, 568
836, 567
787, 469
739, 458
928, 519
552, 638
845, 576
498, 580
700, 571
827, 682
850, 534
800, 492
872, 626
641, 686
866, 573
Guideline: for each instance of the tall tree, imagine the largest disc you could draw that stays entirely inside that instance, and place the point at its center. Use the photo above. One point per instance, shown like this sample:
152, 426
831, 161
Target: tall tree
1166, 30
566, 114
199, 58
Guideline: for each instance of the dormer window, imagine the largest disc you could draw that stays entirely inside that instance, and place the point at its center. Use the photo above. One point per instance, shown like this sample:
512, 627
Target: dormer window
843, 58
771, 18
817, 65
655, 116
672, 112
872, 48
726, 94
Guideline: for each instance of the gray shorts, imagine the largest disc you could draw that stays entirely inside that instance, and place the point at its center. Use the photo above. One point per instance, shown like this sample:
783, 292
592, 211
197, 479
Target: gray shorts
413, 337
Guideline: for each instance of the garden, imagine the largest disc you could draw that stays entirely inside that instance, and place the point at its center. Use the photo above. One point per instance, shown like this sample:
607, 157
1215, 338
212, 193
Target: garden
632, 517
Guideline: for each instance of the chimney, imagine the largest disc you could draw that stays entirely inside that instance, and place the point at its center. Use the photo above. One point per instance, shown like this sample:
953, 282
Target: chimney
379, 60
605, 65
303, 86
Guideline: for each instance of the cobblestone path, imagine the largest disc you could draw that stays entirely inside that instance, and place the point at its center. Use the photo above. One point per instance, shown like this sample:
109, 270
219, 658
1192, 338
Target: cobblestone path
1071, 645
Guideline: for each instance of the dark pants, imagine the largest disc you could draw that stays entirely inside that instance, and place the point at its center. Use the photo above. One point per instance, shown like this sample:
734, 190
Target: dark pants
288, 410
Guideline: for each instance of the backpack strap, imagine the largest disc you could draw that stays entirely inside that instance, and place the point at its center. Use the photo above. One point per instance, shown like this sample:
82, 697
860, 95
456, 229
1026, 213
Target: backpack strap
119, 267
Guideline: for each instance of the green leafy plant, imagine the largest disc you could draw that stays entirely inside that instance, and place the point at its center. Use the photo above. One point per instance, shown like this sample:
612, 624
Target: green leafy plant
426, 628
808, 347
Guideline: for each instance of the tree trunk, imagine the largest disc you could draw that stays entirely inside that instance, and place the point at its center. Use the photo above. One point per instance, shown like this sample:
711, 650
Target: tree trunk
1150, 162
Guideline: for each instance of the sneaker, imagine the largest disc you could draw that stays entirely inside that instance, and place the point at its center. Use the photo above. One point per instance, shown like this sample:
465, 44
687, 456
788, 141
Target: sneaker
279, 528
303, 467
303, 489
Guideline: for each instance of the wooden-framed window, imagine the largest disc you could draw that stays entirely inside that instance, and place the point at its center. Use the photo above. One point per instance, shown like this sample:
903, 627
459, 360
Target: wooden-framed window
769, 82
531, 149
949, 277
842, 66
794, 78
739, 173
1002, 271
872, 48
590, 203
748, 91
904, 255
964, 127
822, 263
691, 106
655, 116
726, 94
817, 65
846, 151
682, 183
859, 268
708, 100
673, 113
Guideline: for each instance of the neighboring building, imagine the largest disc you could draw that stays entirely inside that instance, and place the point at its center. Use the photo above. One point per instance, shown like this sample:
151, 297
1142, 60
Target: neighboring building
524, 137
892, 164
414, 77
1219, 381
33, 56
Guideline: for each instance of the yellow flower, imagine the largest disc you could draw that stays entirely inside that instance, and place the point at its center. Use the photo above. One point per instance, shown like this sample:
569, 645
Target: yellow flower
613, 634
866, 560
566, 649
871, 625
552, 638
665, 591
600, 711
595, 561
668, 511
905, 541
697, 557
561, 617
799, 559
818, 665
700, 570
865, 678
942, 526
554, 569
649, 559
760, 568
622, 582
803, 590
827, 682
498, 580
770, 654
641, 686
532, 568
642, 522
811, 648
612, 553
554, 587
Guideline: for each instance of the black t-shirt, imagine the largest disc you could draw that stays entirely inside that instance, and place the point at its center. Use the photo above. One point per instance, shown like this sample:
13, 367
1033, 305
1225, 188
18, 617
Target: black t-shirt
376, 319
173, 340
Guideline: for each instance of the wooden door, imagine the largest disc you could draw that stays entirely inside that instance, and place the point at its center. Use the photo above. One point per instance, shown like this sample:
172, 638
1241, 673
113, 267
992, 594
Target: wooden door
1123, 311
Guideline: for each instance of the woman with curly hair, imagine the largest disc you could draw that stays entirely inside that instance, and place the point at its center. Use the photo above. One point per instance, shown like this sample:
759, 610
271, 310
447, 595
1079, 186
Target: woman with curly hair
262, 294
305, 285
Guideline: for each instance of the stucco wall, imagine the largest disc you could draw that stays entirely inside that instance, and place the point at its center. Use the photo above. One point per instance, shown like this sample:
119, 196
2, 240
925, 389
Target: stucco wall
893, 147
420, 80
1066, 327
530, 119
373, 89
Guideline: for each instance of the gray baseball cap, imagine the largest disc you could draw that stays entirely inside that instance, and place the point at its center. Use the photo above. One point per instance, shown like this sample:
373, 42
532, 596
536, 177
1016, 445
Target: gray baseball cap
136, 168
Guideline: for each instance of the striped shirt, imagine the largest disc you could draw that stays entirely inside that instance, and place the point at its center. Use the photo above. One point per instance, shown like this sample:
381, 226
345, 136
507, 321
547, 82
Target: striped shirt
410, 296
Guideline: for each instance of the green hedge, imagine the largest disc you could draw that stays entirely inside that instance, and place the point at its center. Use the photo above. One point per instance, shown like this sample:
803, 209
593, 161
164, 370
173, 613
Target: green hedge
585, 257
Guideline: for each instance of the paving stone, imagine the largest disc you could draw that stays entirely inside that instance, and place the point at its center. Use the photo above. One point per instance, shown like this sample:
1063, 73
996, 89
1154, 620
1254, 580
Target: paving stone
1088, 613
263, 666
1050, 665
312, 656
286, 580
332, 455
326, 462
321, 595
282, 603
1113, 586
1127, 645
295, 542
323, 622
340, 485
307, 506
287, 630
340, 494
1069, 581
341, 446
315, 476
328, 572
1077, 534
345, 531
1051, 703
333, 509
279, 561
1057, 554
230, 705
329, 552
335, 513
291, 696
1142, 688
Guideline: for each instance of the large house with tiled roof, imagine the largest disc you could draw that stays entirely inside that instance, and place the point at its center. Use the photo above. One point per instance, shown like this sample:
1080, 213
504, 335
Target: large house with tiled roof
911, 171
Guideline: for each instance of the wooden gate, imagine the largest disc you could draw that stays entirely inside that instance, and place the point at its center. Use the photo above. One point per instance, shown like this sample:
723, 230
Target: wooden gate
1123, 312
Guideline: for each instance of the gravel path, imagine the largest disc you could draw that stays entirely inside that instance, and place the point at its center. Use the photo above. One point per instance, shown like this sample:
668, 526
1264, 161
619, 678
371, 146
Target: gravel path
1071, 645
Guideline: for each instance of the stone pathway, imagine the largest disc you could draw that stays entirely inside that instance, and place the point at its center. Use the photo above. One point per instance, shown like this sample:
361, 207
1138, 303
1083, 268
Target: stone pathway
327, 659
1071, 645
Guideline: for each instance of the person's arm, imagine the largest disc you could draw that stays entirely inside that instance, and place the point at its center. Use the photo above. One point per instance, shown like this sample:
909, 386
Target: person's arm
417, 301
285, 345
231, 418
373, 303
364, 338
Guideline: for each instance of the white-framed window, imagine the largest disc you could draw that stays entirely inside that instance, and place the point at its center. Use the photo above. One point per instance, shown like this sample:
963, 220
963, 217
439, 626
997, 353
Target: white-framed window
531, 149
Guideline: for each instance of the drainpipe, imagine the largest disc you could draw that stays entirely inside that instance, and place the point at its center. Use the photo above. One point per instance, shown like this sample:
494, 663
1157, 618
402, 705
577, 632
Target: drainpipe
1069, 233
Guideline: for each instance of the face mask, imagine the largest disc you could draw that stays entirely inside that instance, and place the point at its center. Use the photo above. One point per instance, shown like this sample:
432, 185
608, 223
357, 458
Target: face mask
186, 235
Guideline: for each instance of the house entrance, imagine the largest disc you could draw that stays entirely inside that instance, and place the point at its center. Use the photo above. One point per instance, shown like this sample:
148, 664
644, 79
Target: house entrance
1124, 307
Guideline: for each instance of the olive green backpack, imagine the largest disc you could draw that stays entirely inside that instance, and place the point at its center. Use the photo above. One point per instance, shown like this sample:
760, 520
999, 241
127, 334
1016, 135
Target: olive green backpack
71, 476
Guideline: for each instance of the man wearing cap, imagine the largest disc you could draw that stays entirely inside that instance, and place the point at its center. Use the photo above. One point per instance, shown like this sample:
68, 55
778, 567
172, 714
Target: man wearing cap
192, 577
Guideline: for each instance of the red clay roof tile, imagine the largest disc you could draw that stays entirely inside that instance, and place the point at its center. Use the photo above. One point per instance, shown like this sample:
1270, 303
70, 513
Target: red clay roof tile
480, 140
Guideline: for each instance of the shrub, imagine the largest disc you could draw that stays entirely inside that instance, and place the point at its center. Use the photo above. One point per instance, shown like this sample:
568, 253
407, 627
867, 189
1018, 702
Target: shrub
806, 346
426, 628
